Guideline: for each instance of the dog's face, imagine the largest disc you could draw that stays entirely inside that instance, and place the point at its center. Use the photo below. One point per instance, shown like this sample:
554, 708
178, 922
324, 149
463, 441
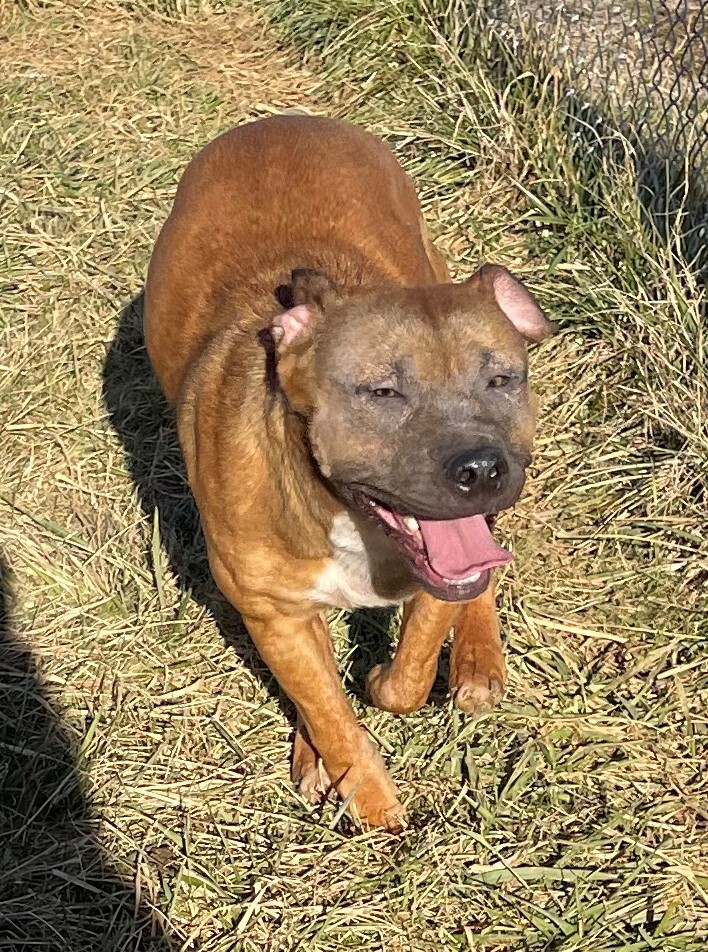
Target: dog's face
419, 410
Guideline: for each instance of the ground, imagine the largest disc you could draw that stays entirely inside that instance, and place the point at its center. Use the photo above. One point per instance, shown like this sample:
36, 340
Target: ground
145, 793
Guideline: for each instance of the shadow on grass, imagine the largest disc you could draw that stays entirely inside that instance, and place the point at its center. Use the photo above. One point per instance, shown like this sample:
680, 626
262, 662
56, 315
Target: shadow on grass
145, 426
57, 888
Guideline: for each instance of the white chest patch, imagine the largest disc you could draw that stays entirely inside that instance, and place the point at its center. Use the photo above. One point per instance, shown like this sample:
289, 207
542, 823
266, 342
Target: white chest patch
346, 581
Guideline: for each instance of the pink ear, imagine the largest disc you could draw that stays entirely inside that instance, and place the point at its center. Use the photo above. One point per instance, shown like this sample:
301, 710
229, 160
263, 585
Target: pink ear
519, 305
291, 324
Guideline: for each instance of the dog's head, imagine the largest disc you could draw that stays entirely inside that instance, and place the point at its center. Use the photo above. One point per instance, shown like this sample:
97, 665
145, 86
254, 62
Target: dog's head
419, 409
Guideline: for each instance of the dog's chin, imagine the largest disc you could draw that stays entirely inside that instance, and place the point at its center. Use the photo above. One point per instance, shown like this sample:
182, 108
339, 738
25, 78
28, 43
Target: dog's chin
452, 558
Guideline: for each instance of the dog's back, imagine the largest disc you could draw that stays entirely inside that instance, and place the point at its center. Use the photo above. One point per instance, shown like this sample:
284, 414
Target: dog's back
289, 191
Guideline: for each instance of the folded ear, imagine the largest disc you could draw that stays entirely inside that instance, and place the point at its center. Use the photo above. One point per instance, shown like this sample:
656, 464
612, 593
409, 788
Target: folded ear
291, 324
516, 302
314, 288
310, 293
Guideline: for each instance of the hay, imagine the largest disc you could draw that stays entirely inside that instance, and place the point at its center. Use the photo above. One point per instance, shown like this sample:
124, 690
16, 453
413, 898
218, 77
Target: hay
145, 794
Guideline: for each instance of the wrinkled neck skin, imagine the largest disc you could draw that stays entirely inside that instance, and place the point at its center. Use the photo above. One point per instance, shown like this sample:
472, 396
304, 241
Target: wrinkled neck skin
303, 507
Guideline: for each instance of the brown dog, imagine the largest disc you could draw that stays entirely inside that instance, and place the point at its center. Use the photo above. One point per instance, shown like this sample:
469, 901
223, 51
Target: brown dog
350, 420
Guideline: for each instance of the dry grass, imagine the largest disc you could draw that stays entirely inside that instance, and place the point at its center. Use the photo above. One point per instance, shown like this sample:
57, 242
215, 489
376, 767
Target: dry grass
146, 800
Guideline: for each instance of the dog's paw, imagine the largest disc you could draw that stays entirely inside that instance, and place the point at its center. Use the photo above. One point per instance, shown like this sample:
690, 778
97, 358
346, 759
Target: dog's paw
477, 694
375, 804
391, 817
314, 784
371, 791
387, 695
308, 773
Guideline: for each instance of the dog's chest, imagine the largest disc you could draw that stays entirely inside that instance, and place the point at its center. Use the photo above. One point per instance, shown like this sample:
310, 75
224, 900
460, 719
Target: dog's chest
363, 570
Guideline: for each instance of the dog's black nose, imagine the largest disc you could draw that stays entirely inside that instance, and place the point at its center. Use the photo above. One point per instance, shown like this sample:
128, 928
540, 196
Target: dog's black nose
480, 470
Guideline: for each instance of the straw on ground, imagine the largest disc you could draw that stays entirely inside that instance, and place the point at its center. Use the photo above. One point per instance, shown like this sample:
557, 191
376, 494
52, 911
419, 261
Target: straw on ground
145, 757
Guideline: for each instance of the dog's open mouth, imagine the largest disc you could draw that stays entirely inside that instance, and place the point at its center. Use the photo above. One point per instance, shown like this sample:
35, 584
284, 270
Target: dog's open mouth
452, 557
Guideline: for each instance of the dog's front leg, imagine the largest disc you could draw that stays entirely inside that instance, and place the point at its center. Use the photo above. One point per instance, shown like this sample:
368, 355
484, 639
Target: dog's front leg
404, 685
477, 670
299, 653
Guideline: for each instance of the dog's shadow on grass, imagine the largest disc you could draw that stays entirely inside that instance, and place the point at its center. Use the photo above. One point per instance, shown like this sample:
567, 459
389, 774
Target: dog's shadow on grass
58, 888
146, 428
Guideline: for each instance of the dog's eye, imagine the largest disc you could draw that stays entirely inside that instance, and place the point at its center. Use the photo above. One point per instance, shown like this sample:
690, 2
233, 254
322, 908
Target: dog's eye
370, 392
501, 380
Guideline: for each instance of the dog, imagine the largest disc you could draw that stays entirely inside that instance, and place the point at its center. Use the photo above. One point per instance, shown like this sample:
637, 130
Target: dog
351, 422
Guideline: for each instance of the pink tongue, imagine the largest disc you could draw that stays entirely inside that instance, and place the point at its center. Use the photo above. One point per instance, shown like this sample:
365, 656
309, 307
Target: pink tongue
458, 548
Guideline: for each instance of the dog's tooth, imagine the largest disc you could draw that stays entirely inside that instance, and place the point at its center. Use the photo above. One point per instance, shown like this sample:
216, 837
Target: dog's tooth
473, 578
411, 523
